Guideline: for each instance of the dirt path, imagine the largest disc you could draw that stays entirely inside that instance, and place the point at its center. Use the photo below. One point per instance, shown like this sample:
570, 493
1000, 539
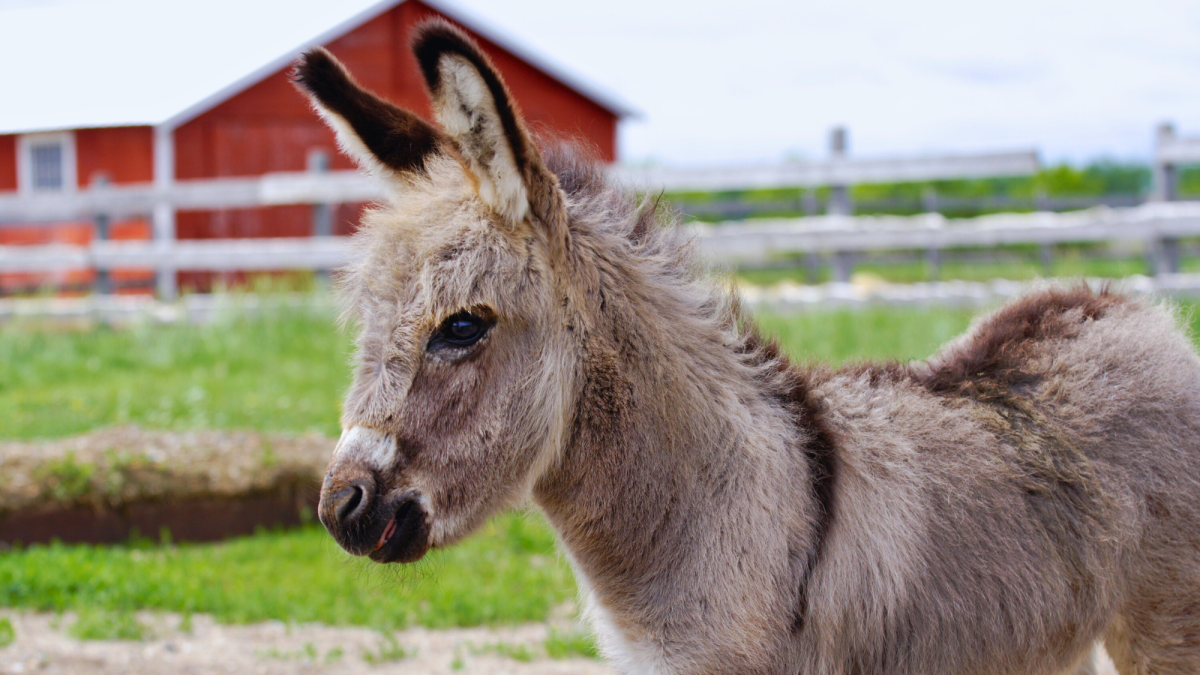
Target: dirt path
43, 645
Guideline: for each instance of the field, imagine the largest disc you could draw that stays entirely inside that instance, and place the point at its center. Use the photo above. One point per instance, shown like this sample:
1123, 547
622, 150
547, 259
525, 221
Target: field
286, 372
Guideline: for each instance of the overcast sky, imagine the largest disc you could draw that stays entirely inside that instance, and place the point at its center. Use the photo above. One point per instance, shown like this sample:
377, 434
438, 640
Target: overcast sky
766, 79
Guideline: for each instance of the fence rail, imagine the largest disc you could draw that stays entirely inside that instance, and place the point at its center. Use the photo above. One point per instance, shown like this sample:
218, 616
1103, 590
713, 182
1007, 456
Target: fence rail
751, 241
273, 189
217, 255
1160, 225
835, 172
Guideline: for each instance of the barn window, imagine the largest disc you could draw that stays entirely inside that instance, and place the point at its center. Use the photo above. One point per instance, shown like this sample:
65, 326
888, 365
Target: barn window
46, 166
47, 162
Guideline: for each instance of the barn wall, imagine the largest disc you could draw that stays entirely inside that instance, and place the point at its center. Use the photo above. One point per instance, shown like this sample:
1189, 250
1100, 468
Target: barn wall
269, 126
8, 163
123, 154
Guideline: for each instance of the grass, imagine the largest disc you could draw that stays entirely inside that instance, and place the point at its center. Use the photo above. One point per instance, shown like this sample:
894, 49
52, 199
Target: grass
282, 371
519, 653
870, 333
569, 645
95, 623
509, 572
388, 650
7, 633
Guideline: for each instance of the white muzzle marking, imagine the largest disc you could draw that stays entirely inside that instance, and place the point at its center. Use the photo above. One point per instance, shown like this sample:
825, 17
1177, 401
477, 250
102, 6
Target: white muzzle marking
366, 445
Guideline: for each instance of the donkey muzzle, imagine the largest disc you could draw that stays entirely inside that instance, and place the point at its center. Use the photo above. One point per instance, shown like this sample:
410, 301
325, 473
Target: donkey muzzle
363, 516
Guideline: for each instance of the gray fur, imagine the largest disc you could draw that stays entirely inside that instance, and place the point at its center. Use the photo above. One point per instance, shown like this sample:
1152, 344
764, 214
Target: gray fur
1031, 489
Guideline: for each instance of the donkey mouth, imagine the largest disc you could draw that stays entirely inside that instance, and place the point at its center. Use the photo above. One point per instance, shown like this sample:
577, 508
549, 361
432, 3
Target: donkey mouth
405, 538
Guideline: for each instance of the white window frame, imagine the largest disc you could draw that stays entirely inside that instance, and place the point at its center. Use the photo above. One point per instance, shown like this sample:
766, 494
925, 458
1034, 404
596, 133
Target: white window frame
25, 143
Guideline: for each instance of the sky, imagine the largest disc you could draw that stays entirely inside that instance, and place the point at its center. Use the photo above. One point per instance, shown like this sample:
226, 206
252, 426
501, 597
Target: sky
755, 80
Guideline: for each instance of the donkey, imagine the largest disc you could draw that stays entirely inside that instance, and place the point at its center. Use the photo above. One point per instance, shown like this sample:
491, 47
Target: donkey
528, 331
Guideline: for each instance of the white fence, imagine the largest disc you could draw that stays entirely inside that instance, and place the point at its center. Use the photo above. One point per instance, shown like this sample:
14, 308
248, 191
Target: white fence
1172, 151
115, 201
1158, 224
841, 237
835, 172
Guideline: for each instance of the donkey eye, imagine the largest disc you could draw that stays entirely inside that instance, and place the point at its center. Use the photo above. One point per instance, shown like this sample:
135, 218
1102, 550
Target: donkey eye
461, 330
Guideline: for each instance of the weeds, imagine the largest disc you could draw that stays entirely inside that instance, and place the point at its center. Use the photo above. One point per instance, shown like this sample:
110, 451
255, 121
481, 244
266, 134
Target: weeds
388, 650
99, 624
568, 645
66, 479
508, 650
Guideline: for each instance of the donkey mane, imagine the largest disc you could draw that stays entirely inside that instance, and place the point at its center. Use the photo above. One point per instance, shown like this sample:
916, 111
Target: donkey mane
647, 236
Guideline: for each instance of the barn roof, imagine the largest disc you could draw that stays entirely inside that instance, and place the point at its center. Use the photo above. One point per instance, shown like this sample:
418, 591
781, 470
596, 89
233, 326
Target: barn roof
79, 64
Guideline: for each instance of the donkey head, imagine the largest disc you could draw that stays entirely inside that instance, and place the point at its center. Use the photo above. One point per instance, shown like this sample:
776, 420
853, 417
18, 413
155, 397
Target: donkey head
463, 355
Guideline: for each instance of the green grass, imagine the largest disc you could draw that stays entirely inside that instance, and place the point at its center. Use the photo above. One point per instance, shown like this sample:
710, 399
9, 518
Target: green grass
519, 653
388, 650
569, 645
101, 624
507, 573
870, 333
7, 633
283, 371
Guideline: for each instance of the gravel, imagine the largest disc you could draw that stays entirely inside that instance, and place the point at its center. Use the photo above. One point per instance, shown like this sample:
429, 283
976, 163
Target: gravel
44, 645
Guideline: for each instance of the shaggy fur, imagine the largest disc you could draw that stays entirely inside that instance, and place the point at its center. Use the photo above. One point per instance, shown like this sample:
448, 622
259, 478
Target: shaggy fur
1031, 489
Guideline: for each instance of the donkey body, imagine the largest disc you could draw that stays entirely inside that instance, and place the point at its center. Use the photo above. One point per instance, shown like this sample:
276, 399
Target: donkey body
528, 331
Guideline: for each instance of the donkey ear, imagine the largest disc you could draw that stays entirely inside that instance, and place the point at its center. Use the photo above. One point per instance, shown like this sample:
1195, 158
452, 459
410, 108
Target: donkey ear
383, 139
475, 109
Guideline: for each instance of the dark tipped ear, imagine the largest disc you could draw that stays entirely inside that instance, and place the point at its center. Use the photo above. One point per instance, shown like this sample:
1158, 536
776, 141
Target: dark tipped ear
381, 137
477, 112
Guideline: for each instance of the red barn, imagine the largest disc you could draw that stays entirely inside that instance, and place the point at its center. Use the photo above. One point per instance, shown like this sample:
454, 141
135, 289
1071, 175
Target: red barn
260, 124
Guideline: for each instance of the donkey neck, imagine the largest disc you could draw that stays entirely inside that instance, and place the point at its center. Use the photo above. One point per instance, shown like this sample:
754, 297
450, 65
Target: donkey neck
681, 491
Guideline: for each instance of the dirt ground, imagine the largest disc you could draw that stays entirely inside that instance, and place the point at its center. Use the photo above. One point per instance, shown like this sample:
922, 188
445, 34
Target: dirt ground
118, 466
43, 645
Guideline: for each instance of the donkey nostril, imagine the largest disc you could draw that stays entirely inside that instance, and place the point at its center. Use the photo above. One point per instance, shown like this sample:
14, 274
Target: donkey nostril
351, 501
348, 500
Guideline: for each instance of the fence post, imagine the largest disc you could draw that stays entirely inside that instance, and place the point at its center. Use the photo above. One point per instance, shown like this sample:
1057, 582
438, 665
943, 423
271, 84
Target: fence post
933, 263
1046, 258
843, 265
929, 199
812, 267
839, 194
322, 214
933, 255
1041, 200
103, 285
1164, 171
164, 209
810, 203
1164, 252
1163, 255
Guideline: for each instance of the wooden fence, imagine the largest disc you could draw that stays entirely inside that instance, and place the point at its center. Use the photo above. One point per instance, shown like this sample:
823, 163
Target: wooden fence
1159, 225
842, 238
